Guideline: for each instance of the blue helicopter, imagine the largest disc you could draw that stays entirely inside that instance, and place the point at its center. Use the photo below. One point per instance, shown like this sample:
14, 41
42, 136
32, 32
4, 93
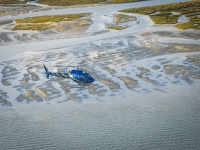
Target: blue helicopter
76, 75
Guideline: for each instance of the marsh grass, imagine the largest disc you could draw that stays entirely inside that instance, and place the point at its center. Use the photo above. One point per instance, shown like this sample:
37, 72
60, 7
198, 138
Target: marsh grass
177, 7
162, 14
17, 5
186, 25
121, 18
83, 25
12, 2
164, 19
189, 10
49, 22
38, 27
76, 2
119, 1
55, 18
194, 23
116, 27
192, 14
67, 2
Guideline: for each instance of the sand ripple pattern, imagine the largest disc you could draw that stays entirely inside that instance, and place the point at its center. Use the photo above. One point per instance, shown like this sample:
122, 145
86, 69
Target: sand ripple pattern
118, 65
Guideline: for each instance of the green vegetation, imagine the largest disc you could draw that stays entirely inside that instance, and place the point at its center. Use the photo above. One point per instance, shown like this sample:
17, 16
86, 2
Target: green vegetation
163, 14
192, 14
55, 18
75, 2
33, 27
17, 5
164, 19
50, 22
83, 25
121, 18
190, 10
13, 1
120, 1
67, 2
177, 7
194, 23
118, 19
115, 27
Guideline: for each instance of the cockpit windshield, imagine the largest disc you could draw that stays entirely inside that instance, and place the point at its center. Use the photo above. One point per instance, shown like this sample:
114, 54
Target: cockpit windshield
88, 75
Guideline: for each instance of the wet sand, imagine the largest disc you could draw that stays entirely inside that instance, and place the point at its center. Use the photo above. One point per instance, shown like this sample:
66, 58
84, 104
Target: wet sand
145, 95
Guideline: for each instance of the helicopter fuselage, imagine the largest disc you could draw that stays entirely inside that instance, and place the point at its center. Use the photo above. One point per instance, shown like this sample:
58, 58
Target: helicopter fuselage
75, 75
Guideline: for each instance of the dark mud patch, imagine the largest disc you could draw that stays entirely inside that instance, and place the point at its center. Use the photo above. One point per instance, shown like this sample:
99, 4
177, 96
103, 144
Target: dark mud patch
155, 67
195, 59
4, 37
189, 35
3, 22
182, 72
163, 33
3, 101
176, 47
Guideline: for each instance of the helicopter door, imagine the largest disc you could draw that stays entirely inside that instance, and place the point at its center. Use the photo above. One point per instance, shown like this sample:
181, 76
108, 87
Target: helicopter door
78, 77
82, 78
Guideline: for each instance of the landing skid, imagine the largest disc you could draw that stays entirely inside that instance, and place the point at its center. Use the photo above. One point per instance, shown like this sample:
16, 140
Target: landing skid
79, 84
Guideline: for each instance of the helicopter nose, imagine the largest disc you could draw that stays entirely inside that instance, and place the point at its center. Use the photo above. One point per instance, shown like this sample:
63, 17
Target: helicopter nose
92, 80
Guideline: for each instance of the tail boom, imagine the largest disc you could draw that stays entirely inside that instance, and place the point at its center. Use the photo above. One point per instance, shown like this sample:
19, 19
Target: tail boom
59, 74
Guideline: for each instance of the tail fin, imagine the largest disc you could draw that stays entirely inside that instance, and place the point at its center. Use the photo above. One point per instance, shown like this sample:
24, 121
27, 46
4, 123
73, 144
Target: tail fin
47, 72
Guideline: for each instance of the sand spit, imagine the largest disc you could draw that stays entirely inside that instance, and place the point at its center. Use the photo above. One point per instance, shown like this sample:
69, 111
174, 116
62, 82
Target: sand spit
130, 83
20, 10
42, 92
111, 71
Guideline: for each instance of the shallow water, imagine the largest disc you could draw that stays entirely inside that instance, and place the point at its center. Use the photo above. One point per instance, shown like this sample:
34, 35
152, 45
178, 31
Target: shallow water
154, 121
145, 95
102, 9
139, 99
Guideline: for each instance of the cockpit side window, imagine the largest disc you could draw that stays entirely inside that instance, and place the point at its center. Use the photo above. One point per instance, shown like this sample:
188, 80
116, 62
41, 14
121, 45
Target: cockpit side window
88, 75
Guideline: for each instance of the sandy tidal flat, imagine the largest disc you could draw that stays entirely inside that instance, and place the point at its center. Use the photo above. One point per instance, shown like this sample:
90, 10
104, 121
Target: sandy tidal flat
145, 95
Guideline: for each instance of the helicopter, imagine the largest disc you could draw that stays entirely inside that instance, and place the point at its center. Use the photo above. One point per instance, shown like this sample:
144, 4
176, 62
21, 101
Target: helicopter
76, 75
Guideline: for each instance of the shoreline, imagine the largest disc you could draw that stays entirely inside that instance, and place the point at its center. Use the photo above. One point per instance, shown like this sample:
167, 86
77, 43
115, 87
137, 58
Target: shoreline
60, 43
